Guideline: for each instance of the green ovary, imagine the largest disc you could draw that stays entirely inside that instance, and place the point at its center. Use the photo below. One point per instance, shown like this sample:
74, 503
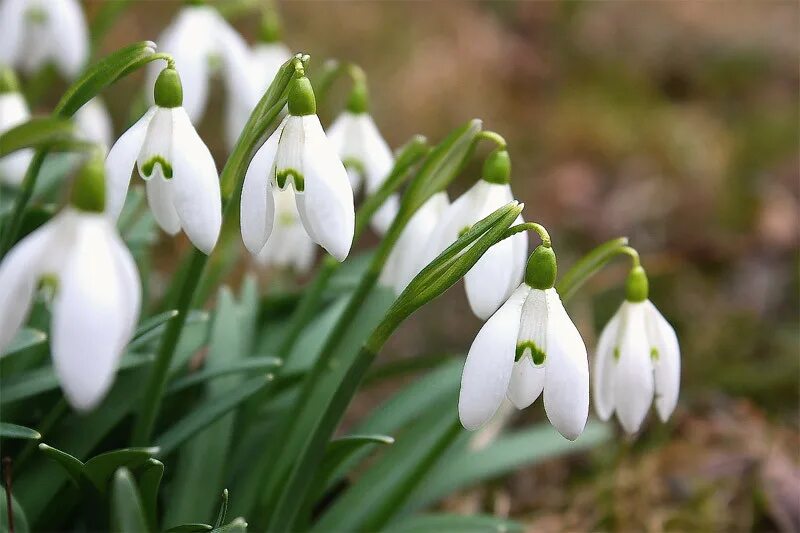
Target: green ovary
537, 354
283, 176
150, 165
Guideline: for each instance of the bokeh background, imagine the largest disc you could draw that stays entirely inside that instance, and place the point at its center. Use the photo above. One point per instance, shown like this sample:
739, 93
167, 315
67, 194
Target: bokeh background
674, 123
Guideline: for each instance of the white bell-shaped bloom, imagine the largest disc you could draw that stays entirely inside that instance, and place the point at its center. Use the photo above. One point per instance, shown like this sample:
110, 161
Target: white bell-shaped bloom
183, 188
203, 43
96, 302
532, 327
405, 261
94, 123
34, 33
298, 154
367, 158
288, 245
13, 112
495, 276
638, 358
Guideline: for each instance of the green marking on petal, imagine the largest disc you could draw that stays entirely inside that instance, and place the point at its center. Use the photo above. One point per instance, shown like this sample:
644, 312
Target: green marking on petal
537, 355
351, 163
282, 177
150, 165
654, 353
36, 15
616, 353
285, 219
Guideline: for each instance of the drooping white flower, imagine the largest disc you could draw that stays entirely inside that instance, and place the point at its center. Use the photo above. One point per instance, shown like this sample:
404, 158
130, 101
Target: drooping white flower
97, 294
288, 245
34, 33
13, 112
405, 261
527, 347
94, 123
298, 154
367, 158
638, 358
202, 44
183, 188
495, 276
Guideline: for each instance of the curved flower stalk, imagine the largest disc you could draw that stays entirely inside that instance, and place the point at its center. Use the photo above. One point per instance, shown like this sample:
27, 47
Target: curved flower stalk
298, 154
13, 112
203, 43
528, 347
638, 359
183, 188
364, 152
492, 280
288, 246
94, 123
97, 290
34, 33
405, 261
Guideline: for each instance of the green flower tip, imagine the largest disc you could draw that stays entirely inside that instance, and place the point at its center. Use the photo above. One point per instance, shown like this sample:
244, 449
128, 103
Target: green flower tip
168, 91
301, 98
8, 81
636, 285
497, 167
195, 2
270, 29
541, 270
89, 189
358, 102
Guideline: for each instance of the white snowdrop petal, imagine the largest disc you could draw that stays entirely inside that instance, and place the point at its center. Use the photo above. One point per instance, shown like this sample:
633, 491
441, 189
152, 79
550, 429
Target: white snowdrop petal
519, 260
377, 156
14, 166
13, 112
326, 204
120, 161
257, 210
566, 389
488, 282
458, 216
195, 185
159, 198
68, 36
527, 383
89, 322
385, 214
489, 364
94, 123
12, 26
266, 59
603, 368
667, 363
19, 275
633, 373
131, 286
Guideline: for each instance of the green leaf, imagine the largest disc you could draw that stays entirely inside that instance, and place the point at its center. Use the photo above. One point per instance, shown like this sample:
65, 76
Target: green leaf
207, 413
20, 519
441, 522
102, 74
149, 484
210, 373
153, 322
25, 338
383, 489
189, 528
237, 525
126, 506
223, 510
100, 468
139, 340
586, 266
71, 465
13, 431
508, 453
340, 450
38, 131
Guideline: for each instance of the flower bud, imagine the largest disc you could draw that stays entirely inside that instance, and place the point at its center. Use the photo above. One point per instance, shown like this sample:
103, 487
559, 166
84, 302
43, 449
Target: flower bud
541, 270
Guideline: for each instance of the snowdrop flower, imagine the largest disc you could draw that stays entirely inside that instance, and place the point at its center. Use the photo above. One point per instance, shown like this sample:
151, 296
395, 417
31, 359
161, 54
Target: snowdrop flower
298, 154
182, 181
528, 346
13, 112
288, 246
638, 358
34, 33
203, 43
364, 152
94, 123
495, 276
97, 290
404, 261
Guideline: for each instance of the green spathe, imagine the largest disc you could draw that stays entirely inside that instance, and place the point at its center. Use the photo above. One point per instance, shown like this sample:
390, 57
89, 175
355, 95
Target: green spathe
541, 270
636, 285
89, 190
301, 97
497, 167
168, 91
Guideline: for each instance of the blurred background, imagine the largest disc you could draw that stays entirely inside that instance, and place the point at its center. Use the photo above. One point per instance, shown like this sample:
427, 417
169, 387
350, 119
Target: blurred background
674, 123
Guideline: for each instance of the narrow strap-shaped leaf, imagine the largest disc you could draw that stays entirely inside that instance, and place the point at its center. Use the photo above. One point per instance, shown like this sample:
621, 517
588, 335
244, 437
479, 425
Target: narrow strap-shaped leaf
587, 265
100, 468
13, 431
441, 522
126, 505
341, 449
25, 338
195, 317
189, 528
207, 374
237, 525
153, 322
149, 483
223, 510
72, 465
38, 131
